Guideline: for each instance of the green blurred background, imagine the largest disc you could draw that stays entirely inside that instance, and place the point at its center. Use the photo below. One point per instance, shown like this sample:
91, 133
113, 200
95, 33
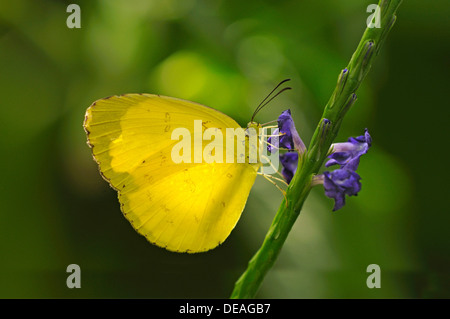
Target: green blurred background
56, 210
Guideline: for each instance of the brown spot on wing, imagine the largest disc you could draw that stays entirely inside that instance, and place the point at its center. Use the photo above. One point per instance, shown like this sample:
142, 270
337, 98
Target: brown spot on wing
164, 207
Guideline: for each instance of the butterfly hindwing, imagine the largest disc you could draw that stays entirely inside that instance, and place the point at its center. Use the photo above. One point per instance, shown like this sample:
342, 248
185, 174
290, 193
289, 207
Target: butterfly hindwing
184, 207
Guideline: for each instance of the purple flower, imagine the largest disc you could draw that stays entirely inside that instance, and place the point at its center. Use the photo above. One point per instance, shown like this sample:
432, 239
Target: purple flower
347, 154
288, 138
288, 135
339, 183
289, 161
345, 180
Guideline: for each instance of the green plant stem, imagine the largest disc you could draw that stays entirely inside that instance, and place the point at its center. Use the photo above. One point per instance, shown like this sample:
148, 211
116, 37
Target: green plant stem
341, 100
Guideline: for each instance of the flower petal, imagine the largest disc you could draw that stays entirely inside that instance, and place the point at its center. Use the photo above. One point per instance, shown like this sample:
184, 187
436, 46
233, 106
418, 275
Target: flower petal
339, 183
289, 161
289, 138
347, 154
273, 143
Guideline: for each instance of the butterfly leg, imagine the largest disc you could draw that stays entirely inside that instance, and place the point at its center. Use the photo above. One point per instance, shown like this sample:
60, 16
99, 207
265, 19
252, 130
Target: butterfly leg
270, 178
272, 145
275, 169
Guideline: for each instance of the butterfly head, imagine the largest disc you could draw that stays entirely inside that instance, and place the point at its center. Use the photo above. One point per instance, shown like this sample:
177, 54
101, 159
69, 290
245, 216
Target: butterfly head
253, 125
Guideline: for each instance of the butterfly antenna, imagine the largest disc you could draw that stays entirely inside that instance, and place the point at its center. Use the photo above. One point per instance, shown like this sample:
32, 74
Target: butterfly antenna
262, 104
281, 91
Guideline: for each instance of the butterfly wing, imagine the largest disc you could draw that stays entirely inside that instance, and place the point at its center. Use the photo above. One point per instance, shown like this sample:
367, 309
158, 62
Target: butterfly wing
185, 207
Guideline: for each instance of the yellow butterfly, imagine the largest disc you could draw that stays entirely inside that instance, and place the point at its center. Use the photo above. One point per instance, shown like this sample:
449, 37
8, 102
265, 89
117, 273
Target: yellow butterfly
183, 207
